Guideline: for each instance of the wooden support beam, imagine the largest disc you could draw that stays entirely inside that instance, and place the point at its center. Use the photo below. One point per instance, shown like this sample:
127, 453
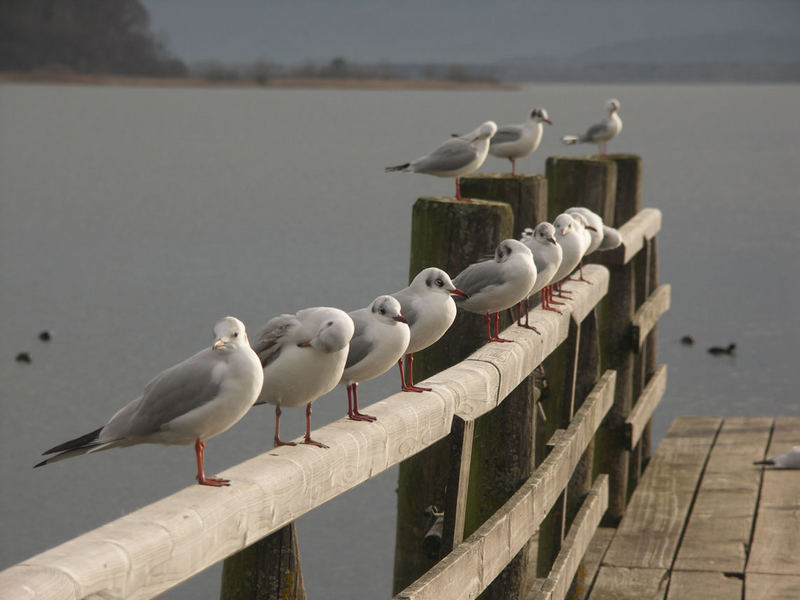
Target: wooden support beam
647, 315
474, 564
645, 406
556, 585
455, 506
526, 194
643, 226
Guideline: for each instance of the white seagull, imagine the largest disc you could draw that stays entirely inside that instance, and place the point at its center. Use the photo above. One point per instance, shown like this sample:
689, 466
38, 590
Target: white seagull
582, 226
572, 245
429, 309
190, 402
455, 157
547, 255
303, 356
494, 285
787, 460
601, 132
515, 141
380, 339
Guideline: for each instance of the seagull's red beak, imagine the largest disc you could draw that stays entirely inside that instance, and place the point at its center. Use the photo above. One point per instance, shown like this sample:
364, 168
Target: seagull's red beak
304, 344
592, 228
458, 292
218, 344
400, 319
548, 121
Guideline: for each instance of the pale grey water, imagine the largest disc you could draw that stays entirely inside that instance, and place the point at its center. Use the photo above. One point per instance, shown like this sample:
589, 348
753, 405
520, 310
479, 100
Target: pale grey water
131, 219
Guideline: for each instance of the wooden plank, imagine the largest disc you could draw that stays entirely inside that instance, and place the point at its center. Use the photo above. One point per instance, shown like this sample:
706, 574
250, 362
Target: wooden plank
718, 532
644, 226
647, 315
645, 406
590, 565
457, 484
621, 583
761, 586
556, 585
496, 542
703, 585
776, 539
648, 535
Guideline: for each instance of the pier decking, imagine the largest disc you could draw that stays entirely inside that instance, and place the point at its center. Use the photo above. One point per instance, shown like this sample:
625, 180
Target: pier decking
704, 522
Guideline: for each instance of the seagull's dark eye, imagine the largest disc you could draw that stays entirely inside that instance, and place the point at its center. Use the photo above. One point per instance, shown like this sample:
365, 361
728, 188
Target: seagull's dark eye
439, 282
383, 311
329, 323
235, 334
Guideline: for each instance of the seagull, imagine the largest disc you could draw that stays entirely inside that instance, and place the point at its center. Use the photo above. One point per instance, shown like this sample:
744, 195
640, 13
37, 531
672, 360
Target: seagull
572, 245
547, 255
787, 460
601, 132
380, 339
515, 141
603, 237
494, 285
585, 230
303, 356
429, 309
190, 402
455, 157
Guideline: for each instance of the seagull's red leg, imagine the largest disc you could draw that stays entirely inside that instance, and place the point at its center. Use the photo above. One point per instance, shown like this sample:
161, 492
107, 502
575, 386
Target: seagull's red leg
359, 416
307, 439
199, 451
458, 191
497, 337
278, 441
547, 299
580, 278
527, 324
513, 167
410, 369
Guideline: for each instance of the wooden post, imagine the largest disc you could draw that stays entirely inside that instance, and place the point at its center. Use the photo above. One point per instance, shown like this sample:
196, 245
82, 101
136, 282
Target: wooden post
451, 235
589, 182
268, 570
526, 194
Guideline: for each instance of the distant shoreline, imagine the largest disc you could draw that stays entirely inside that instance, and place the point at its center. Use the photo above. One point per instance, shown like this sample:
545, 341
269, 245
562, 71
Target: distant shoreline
277, 82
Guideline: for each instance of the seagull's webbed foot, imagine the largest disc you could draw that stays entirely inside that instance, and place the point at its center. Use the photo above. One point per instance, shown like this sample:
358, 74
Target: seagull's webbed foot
213, 481
310, 442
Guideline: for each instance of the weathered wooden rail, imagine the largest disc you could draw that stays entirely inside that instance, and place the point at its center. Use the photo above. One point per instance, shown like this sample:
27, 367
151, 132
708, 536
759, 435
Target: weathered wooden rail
530, 536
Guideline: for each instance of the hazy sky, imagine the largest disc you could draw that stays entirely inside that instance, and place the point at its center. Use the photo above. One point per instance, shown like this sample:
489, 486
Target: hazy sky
446, 31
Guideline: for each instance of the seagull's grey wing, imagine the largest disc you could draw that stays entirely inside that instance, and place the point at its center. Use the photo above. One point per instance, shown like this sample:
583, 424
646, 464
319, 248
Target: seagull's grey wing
450, 156
506, 135
170, 394
268, 342
406, 300
594, 132
360, 345
611, 238
477, 277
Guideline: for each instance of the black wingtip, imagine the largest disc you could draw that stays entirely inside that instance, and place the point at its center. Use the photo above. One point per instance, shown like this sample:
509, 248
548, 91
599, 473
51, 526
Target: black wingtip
764, 462
83, 440
41, 464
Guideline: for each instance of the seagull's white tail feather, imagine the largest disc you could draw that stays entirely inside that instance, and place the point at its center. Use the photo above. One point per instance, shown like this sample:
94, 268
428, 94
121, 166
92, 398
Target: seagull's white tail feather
570, 139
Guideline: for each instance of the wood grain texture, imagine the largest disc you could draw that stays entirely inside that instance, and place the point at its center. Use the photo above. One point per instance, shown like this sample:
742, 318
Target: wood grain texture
585, 181
703, 585
526, 194
556, 585
761, 586
644, 226
776, 539
624, 583
648, 536
484, 554
647, 315
718, 532
645, 406
590, 565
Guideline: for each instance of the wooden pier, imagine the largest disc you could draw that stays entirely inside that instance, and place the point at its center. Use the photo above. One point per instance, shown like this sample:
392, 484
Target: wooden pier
526, 449
704, 522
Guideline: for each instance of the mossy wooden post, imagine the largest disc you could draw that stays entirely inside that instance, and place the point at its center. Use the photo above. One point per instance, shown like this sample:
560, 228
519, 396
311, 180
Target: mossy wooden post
587, 181
526, 194
449, 234
267, 570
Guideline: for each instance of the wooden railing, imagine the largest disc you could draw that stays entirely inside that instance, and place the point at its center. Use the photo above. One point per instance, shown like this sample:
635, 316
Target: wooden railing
161, 545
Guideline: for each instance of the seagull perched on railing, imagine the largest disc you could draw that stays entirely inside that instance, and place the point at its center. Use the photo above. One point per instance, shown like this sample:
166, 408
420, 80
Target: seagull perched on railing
380, 339
547, 255
429, 309
515, 141
572, 246
190, 402
494, 285
303, 356
455, 157
603, 237
600, 133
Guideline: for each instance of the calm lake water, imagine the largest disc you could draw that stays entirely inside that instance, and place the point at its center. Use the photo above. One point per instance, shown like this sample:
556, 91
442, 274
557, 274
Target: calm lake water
131, 219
